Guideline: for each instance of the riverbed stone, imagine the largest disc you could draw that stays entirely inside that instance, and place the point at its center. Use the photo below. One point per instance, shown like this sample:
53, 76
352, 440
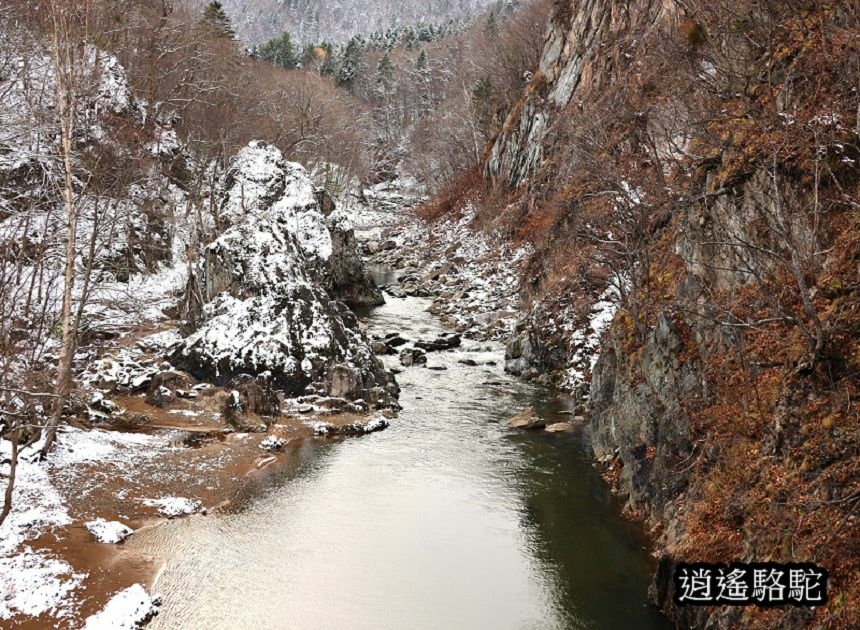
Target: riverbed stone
528, 420
558, 427
413, 357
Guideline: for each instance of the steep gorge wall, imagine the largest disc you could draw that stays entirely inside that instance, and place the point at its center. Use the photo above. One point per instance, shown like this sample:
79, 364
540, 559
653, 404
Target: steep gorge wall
581, 53
721, 402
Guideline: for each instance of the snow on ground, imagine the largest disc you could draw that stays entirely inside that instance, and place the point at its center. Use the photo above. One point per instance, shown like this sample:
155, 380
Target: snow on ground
120, 449
585, 340
108, 532
477, 293
127, 610
33, 582
171, 507
37, 507
381, 205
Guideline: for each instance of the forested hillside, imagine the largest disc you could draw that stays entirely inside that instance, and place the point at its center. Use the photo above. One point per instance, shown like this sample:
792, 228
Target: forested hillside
317, 20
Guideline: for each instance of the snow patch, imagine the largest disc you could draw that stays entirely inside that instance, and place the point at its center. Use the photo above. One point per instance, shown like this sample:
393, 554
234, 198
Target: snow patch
108, 532
172, 507
127, 610
35, 582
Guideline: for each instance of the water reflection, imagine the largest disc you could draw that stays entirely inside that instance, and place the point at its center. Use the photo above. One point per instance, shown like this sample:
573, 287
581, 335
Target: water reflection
445, 520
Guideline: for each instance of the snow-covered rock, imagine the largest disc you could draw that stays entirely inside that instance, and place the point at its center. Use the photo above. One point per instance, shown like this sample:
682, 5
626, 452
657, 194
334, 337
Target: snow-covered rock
273, 443
127, 610
171, 507
262, 286
108, 532
260, 182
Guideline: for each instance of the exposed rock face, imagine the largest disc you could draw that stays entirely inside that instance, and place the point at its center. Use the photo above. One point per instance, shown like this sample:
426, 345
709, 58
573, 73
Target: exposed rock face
749, 294
262, 290
574, 61
641, 404
348, 278
259, 181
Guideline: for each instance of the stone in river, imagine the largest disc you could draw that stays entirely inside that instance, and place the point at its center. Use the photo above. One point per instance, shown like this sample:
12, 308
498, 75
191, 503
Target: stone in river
527, 420
558, 427
413, 356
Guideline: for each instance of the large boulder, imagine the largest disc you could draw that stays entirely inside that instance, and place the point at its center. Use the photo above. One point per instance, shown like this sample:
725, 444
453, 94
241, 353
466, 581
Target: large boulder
260, 181
349, 280
260, 300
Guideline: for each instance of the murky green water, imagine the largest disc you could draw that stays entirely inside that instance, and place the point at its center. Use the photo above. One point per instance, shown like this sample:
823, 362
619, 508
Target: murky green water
445, 520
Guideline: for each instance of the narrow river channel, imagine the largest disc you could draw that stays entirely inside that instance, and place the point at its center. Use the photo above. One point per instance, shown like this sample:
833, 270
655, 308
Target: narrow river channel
446, 520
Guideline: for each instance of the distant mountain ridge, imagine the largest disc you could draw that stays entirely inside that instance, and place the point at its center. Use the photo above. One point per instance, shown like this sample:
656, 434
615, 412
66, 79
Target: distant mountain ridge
337, 20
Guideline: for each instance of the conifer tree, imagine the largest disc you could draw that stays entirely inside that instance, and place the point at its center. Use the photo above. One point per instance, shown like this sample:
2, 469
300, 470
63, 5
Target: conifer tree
217, 19
384, 74
423, 79
350, 62
279, 51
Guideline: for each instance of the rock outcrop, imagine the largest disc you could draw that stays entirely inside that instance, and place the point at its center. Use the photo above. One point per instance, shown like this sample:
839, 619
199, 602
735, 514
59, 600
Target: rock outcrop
262, 300
260, 181
575, 60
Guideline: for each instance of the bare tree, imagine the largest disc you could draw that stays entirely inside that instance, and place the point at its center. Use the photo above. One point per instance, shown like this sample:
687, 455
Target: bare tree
73, 60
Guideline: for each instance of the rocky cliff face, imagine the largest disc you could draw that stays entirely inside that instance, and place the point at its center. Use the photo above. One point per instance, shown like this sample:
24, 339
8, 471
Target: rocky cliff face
264, 299
690, 278
586, 46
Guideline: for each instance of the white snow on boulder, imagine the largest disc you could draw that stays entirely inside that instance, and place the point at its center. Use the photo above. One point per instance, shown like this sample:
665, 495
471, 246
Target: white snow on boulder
108, 532
273, 443
261, 182
172, 507
265, 305
376, 423
127, 610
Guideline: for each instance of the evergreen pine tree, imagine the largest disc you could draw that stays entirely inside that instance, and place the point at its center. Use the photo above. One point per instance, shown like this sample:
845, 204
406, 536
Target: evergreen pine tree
423, 78
217, 19
350, 62
481, 94
279, 51
384, 74
491, 28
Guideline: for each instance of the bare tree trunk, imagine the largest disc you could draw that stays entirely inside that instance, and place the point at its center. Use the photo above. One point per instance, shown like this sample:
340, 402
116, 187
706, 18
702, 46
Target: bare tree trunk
10, 485
66, 94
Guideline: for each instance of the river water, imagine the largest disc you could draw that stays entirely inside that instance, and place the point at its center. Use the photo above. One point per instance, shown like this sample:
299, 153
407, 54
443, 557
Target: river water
446, 520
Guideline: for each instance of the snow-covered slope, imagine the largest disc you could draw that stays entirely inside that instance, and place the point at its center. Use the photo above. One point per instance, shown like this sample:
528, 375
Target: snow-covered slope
338, 20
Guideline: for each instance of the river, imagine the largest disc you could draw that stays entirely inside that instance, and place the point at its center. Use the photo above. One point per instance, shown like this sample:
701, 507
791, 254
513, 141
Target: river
446, 520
